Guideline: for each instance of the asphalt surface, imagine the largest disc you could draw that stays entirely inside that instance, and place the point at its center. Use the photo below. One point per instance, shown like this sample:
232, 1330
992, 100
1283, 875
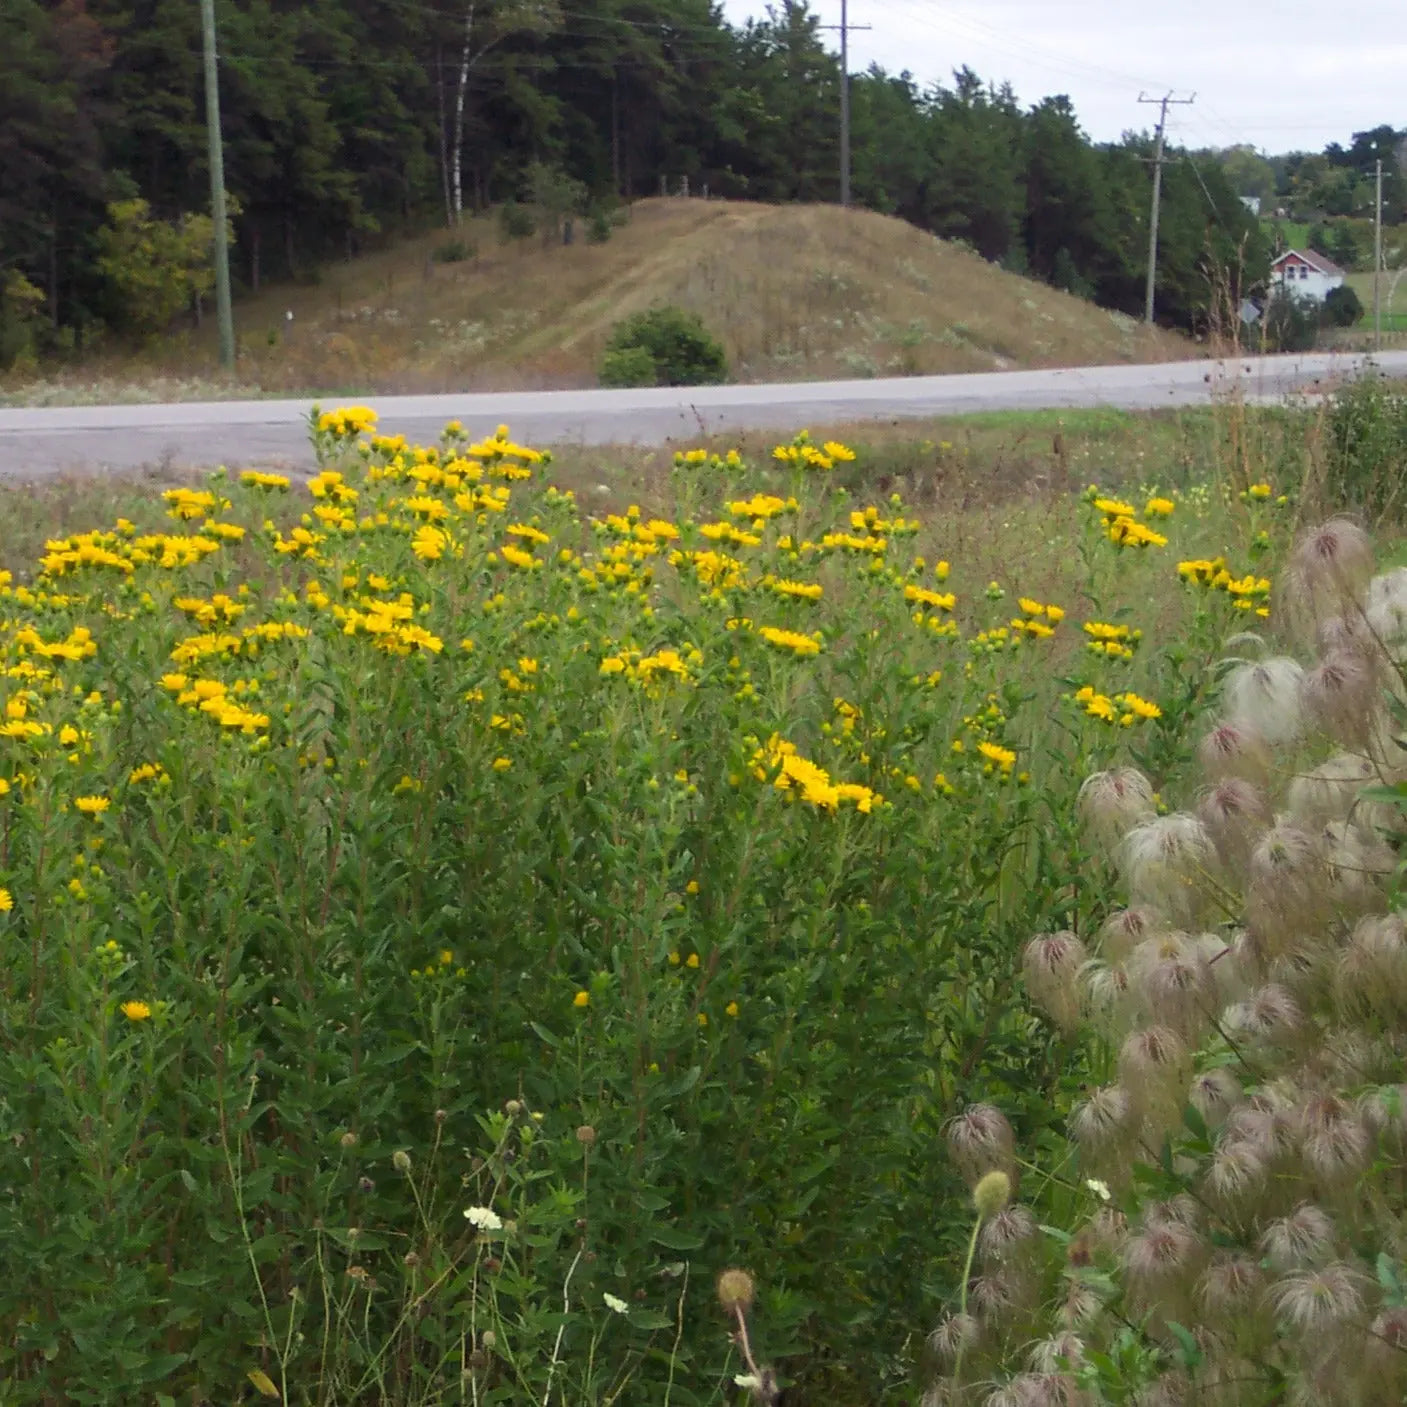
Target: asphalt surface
34, 443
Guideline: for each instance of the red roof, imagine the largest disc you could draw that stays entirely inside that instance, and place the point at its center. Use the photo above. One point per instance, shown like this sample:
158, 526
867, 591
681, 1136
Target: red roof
1318, 262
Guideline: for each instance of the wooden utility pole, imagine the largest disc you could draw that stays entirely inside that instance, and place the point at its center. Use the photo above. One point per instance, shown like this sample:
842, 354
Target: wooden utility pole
217, 188
844, 27
1378, 257
1163, 105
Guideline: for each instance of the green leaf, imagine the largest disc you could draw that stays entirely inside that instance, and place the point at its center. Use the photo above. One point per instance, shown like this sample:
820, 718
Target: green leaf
675, 1239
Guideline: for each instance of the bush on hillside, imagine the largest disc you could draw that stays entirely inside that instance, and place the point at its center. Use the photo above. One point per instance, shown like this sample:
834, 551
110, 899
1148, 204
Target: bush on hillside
629, 366
455, 251
1342, 307
1291, 323
681, 348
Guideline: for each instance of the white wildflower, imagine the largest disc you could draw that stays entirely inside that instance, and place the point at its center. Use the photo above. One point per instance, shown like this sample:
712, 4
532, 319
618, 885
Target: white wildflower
483, 1218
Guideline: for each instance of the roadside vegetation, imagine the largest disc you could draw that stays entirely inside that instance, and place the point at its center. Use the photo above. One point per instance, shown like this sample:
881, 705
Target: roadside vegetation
482, 927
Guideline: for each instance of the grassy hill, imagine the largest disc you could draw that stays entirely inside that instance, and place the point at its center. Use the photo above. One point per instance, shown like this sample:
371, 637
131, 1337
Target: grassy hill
794, 292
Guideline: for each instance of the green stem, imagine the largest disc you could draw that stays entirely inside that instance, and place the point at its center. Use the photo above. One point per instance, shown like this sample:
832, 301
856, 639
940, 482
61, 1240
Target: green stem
962, 1297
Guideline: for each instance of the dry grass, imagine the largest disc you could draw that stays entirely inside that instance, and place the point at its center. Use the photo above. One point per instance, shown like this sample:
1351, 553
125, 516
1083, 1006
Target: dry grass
795, 293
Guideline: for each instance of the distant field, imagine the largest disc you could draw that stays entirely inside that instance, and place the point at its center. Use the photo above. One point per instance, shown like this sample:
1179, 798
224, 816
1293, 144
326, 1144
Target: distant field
1394, 296
795, 293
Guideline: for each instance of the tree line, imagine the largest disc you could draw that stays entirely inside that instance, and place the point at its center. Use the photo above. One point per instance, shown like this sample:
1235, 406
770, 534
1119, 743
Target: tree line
348, 121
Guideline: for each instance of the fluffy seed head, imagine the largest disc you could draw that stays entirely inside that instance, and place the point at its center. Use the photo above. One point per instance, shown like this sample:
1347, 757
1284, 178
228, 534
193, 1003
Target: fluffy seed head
1172, 983
1112, 803
1269, 1016
1328, 573
1385, 609
979, 1140
1235, 813
1264, 698
1235, 750
1214, 1094
1230, 1285
1103, 1124
1059, 1354
1286, 882
1385, 1111
735, 1290
1154, 1067
1161, 1258
1319, 1300
1124, 929
1341, 695
1357, 868
1334, 1140
1106, 996
1329, 791
1301, 1240
954, 1334
1372, 968
1167, 863
1236, 1175
1051, 964
1007, 1236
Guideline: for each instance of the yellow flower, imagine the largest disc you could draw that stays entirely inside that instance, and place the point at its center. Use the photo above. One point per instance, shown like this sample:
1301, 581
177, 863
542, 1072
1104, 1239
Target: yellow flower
692, 887
92, 805
1003, 757
693, 960
502, 764
1159, 507
731, 1009
702, 1019
135, 1011
6, 902
582, 999
1259, 490
798, 644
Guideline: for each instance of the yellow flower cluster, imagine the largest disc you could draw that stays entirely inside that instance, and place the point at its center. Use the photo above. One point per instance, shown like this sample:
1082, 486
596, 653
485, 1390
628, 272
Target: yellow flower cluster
1124, 709
1111, 641
789, 772
1247, 593
347, 422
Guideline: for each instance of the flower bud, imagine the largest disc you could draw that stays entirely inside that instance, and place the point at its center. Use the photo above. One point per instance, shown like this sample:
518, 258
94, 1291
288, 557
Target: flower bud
735, 1290
400, 1160
991, 1194
586, 1135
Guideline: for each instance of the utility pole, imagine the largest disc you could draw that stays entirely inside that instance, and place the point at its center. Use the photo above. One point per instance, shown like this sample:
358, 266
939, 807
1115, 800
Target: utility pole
217, 188
844, 27
1162, 104
1378, 258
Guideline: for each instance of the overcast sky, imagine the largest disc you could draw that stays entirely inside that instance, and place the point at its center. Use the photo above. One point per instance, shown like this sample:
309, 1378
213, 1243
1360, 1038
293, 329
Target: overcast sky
1289, 76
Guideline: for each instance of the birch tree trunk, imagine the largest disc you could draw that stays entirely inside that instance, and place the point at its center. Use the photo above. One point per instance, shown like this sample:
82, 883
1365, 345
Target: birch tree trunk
457, 133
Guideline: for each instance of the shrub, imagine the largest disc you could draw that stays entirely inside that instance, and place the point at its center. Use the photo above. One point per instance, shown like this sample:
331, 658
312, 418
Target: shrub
455, 251
600, 224
515, 222
1291, 323
629, 366
1231, 1210
1342, 307
681, 348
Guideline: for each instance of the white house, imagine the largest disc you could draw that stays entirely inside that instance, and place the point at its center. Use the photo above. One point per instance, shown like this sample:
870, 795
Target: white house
1305, 274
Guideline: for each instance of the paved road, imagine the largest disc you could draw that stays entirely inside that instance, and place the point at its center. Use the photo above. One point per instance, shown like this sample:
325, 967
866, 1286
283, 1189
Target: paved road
39, 442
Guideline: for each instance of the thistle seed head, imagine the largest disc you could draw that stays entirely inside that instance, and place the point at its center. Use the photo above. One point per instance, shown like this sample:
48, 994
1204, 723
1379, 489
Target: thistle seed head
1051, 964
1168, 863
1358, 868
1264, 697
1303, 1239
1385, 1111
979, 1140
1058, 1354
1235, 750
1112, 803
1236, 1175
1385, 609
1286, 882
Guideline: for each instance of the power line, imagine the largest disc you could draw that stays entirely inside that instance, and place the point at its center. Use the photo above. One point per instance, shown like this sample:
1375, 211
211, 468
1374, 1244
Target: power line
845, 27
